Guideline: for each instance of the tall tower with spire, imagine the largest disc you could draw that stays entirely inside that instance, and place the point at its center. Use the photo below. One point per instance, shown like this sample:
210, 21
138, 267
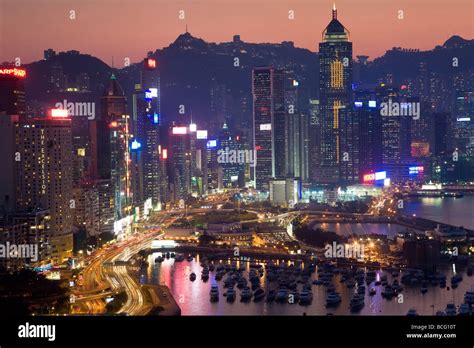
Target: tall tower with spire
339, 157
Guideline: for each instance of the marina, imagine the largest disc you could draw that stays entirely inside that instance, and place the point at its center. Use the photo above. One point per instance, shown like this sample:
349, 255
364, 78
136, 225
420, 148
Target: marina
296, 289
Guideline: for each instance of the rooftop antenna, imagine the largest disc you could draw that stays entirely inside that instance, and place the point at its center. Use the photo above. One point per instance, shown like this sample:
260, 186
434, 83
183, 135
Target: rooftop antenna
186, 28
334, 11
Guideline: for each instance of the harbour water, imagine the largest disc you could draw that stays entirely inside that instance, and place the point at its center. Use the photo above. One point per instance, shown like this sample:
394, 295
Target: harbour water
193, 296
453, 211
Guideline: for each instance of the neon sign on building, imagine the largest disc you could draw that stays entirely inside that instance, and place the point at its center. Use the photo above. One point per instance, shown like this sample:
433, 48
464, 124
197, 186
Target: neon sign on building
59, 113
180, 130
151, 63
416, 170
13, 72
377, 176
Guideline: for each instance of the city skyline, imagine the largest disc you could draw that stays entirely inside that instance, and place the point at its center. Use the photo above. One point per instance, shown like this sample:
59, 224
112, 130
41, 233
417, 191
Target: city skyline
300, 183
408, 29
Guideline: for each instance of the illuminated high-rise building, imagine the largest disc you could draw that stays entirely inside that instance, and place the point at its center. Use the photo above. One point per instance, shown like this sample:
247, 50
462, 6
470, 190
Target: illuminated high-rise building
25, 228
370, 131
12, 90
314, 134
8, 151
463, 127
396, 135
298, 142
116, 141
180, 162
146, 124
45, 167
339, 157
231, 161
270, 135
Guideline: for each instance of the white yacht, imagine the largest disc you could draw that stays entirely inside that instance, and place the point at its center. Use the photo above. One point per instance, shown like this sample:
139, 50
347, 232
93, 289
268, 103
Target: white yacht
464, 309
357, 303
230, 296
388, 292
469, 297
214, 293
450, 309
333, 299
246, 294
282, 295
306, 297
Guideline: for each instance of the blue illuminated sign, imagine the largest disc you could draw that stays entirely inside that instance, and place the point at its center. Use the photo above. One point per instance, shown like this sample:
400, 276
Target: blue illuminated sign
211, 144
135, 145
156, 118
416, 170
380, 175
358, 104
43, 268
148, 95
372, 104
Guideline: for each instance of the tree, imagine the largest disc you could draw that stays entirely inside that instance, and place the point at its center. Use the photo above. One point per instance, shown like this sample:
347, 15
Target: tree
206, 239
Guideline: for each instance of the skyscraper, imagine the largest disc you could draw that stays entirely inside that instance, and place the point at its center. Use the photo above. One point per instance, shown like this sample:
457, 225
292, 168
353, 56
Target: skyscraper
180, 163
147, 120
12, 90
463, 127
116, 142
339, 158
297, 120
270, 134
45, 166
396, 135
314, 134
232, 164
370, 131
8, 125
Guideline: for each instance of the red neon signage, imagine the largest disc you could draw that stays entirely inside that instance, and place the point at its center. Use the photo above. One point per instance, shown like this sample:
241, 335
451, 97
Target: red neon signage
59, 113
180, 130
13, 72
369, 177
151, 63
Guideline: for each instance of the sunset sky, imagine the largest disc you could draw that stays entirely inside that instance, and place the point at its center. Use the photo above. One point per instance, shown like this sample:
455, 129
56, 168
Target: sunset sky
130, 28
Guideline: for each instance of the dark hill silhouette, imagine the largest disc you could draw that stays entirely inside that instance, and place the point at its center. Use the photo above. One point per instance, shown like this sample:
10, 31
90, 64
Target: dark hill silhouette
190, 67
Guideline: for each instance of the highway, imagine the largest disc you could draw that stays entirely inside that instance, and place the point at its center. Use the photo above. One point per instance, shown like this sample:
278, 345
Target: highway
102, 277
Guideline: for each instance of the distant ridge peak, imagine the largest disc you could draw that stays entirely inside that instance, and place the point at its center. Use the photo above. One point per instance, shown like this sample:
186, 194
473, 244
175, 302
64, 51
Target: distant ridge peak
186, 40
456, 41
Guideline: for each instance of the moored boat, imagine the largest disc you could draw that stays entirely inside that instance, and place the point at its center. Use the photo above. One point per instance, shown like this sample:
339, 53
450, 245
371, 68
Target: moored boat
306, 297
214, 293
333, 299
230, 295
271, 294
258, 295
246, 294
